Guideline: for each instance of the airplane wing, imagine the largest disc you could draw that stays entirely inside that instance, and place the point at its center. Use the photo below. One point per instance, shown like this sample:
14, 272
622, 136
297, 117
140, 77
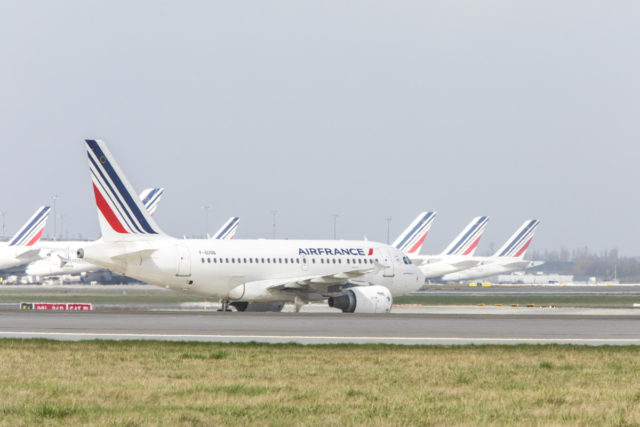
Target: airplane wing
29, 254
319, 284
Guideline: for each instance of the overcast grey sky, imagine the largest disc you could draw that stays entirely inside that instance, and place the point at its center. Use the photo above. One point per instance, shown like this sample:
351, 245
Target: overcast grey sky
367, 109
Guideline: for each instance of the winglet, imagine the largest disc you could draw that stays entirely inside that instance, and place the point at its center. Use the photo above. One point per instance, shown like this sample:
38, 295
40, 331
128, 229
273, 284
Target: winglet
228, 230
122, 215
467, 241
519, 242
32, 230
411, 239
150, 198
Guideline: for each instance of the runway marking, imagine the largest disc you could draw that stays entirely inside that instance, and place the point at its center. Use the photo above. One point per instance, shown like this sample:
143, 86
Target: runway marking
318, 337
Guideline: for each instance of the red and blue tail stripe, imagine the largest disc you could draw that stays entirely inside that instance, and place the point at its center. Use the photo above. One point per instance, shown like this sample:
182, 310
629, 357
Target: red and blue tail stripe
31, 232
114, 199
468, 239
412, 238
519, 242
150, 199
228, 230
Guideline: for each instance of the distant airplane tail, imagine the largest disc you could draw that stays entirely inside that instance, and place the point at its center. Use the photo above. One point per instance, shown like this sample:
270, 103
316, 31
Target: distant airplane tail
228, 230
150, 199
519, 242
122, 214
31, 232
411, 239
467, 241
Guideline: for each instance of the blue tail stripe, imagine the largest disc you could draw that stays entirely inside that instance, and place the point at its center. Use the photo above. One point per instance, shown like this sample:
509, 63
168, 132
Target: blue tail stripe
121, 188
470, 234
39, 215
230, 225
424, 221
519, 238
156, 198
117, 203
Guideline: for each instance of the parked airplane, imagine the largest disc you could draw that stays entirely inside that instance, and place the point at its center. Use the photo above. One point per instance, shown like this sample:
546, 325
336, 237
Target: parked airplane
61, 258
355, 276
457, 256
510, 257
20, 250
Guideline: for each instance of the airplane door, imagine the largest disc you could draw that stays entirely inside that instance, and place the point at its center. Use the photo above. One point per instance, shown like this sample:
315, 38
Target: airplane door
184, 261
388, 263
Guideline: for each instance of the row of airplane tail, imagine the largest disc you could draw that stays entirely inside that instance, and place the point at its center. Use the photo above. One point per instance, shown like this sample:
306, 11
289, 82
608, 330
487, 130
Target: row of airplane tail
354, 276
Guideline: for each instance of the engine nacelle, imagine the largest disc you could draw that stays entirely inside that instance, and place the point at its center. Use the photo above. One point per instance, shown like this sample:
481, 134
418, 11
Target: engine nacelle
363, 299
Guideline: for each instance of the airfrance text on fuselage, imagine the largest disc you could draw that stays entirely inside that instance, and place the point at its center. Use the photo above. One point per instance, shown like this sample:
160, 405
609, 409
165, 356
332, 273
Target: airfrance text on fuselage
335, 251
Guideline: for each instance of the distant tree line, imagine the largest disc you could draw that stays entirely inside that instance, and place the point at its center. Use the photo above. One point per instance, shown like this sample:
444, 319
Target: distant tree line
605, 265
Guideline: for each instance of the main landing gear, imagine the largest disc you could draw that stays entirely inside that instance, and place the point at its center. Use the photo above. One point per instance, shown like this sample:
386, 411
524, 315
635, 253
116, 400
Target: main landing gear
224, 305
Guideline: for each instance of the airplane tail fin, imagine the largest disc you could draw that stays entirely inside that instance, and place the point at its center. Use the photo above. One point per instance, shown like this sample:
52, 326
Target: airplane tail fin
467, 241
519, 242
411, 239
122, 214
31, 232
151, 198
228, 230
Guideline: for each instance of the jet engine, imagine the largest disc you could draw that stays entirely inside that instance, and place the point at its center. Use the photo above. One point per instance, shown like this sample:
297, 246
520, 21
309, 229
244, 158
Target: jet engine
363, 299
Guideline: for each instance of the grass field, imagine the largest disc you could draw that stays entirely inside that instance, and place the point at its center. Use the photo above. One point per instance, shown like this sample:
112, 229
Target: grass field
134, 383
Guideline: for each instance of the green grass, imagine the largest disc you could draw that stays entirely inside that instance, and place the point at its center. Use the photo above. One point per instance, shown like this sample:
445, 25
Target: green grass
559, 300
134, 383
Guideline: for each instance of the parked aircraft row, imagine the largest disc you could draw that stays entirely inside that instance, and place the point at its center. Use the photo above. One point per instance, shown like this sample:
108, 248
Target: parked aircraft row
355, 276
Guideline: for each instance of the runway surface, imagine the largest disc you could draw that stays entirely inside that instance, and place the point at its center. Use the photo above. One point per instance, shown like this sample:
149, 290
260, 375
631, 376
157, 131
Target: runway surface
531, 290
436, 325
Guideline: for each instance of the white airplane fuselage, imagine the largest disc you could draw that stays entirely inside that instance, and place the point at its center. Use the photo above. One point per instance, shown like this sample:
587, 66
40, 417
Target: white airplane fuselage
221, 268
491, 266
438, 265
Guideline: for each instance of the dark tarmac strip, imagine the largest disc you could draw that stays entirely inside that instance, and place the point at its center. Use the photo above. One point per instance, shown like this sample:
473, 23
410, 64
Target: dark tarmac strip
324, 328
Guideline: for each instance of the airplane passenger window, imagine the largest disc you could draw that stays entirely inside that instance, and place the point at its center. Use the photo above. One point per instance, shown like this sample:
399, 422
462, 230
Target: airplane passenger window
280, 260
334, 260
251, 260
203, 260
215, 260
226, 260
233, 260
291, 260
339, 261
297, 260
359, 261
313, 260
209, 260
348, 261
269, 260
321, 260
286, 261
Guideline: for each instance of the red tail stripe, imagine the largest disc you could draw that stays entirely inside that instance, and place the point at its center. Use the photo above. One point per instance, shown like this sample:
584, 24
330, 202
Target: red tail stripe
524, 248
36, 237
418, 244
107, 212
472, 247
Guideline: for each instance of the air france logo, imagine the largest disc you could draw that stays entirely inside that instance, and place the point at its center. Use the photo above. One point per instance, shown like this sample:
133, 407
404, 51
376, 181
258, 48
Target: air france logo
334, 251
